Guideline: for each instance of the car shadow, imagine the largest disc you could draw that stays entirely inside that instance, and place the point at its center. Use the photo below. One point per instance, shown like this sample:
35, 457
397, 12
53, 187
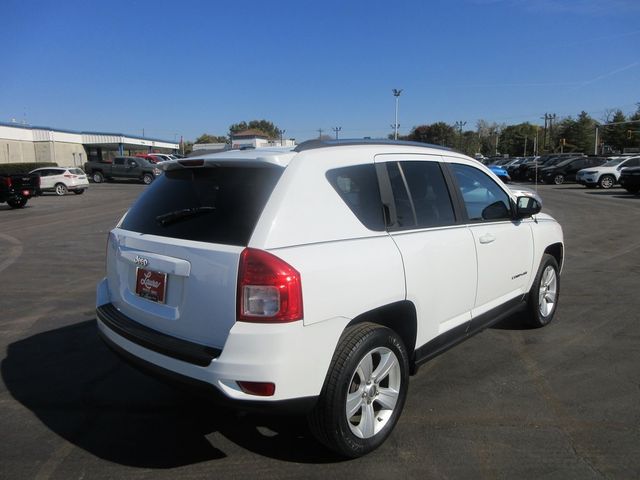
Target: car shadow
616, 194
84, 393
513, 322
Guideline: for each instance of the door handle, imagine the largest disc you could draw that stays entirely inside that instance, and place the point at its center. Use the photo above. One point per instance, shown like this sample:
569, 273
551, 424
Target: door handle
487, 238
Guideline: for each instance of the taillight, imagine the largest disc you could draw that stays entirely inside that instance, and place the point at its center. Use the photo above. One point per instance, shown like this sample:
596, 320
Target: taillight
269, 289
66, 175
7, 181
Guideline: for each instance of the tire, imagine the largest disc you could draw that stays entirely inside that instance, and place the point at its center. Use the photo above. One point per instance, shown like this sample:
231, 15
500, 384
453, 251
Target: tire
544, 294
98, 177
147, 178
60, 189
79, 192
558, 179
375, 403
607, 181
17, 202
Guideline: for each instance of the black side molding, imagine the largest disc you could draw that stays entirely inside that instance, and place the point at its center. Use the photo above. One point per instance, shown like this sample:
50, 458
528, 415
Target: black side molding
146, 337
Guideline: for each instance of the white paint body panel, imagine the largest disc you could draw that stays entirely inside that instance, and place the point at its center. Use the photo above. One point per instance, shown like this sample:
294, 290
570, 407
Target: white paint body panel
346, 270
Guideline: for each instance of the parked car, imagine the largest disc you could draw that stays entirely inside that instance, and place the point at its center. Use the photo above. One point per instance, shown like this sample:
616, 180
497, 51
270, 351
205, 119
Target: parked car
630, 179
16, 190
518, 171
151, 158
500, 172
163, 157
62, 180
317, 279
537, 167
123, 168
606, 175
567, 170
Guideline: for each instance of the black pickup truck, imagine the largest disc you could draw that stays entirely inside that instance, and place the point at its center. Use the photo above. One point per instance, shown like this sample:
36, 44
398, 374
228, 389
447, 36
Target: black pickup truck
122, 168
16, 190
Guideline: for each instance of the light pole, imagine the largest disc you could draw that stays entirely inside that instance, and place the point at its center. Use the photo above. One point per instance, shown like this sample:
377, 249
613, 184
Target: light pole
396, 93
281, 133
336, 129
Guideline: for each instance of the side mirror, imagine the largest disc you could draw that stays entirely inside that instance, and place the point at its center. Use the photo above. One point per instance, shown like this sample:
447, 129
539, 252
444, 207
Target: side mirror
527, 207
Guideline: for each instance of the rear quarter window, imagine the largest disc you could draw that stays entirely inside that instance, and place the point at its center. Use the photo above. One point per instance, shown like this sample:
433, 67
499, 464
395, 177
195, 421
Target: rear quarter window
216, 205
358, 187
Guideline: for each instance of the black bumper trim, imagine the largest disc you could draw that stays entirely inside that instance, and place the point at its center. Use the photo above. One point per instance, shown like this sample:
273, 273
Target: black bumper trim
146, 337
295, 406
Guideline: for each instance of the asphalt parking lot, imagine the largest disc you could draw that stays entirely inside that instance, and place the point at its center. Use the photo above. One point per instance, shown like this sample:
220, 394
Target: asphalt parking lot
560, 402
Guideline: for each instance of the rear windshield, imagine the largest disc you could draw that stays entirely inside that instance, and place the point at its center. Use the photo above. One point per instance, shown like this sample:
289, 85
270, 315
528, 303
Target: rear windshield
217, 205
76, 171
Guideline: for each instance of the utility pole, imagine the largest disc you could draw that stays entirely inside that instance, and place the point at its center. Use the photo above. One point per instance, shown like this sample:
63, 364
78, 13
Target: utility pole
396, 125
524, 154
281, 133
336, 129
320, 133
552, 118
595, 146
544, 132
459, 124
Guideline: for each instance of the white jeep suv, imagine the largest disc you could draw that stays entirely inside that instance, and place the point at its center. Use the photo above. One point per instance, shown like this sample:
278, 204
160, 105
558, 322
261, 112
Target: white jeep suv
317, 279
606, 175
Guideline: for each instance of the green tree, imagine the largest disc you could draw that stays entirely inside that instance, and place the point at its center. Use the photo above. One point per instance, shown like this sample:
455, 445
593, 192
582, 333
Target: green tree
268, 128
514, 137
579, 134
439, 133
207, 138
616, 135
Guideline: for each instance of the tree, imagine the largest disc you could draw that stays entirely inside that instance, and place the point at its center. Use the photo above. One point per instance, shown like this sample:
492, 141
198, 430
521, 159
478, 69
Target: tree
438, 133
268, 128
616, 135
579, 134
207, 138
513, 138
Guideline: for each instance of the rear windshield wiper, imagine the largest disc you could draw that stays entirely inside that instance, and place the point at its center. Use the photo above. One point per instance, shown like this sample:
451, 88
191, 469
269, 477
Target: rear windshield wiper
177, 215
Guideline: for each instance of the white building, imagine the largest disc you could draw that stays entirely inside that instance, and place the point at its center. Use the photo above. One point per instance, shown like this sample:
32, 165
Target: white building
257, 139
28, 144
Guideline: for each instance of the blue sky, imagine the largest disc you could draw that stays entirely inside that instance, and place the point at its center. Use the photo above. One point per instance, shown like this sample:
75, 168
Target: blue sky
188, 67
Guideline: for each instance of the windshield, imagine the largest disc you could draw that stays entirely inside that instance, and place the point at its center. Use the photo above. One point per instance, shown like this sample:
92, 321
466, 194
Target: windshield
613, 163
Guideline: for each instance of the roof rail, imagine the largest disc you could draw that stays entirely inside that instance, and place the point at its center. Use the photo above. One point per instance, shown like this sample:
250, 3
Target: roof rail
313, 144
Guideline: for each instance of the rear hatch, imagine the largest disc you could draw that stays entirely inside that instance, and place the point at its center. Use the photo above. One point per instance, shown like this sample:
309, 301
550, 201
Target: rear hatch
172, 264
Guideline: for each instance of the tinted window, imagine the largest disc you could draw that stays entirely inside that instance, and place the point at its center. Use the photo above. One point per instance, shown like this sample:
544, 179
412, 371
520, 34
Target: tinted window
483, 198
634, 162
358, 187
421, 194
118, 161
218, 205
76, 171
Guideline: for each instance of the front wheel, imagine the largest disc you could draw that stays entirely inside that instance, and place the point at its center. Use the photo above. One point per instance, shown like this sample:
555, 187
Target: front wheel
544, 293
364, 391
60, 189
607, 181
147, 178
558, 179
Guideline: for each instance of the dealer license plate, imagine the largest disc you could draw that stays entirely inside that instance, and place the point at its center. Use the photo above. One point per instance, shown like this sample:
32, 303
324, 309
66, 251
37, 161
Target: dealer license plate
151, 285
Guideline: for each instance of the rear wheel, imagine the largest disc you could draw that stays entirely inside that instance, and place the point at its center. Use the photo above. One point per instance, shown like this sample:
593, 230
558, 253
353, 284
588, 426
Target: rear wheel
558, 179
544, 293
60, 189
17, 202
607, 181
98, 177
364, 392
147, 178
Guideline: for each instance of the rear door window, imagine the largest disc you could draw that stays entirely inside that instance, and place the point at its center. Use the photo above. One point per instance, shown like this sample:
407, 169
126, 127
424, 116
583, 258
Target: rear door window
218, 205
420, 194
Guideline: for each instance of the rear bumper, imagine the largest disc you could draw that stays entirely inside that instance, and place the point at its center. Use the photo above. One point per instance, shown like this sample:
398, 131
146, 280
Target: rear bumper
292, 356
296, 406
